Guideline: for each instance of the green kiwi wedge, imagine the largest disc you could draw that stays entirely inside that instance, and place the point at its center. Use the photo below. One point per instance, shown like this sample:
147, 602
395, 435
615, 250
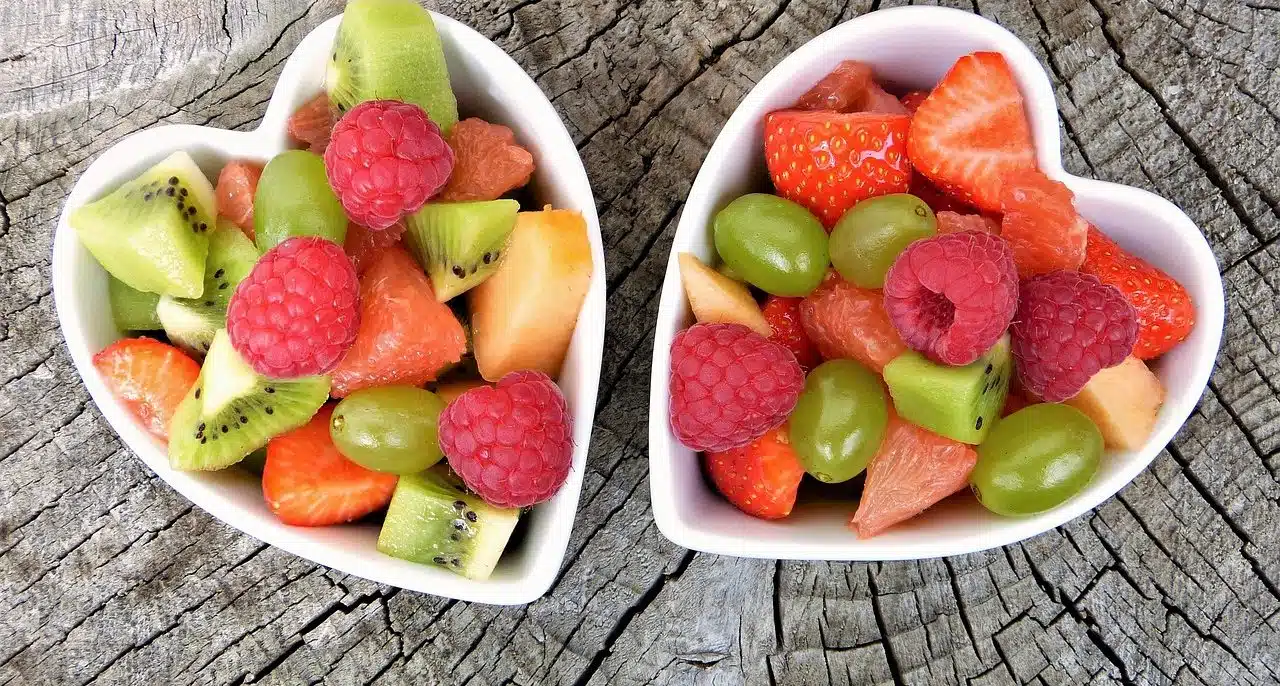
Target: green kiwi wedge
459, 244
389, 50
191, 322
152, 232
960, 403
293, 198
433, 520
132, 309
232, 411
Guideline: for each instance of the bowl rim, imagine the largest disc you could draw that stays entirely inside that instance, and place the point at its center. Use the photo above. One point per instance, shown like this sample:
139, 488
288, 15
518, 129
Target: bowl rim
1041, 106
549, 548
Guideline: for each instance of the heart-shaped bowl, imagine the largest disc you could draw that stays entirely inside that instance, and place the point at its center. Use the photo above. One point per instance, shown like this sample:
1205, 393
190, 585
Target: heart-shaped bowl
488, 84
911, 47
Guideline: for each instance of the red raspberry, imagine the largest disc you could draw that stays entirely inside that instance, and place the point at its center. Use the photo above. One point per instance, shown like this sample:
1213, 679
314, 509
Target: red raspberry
512, 443
783, 315
298, 310
729, 385
951, 296
385, 159
1069, 326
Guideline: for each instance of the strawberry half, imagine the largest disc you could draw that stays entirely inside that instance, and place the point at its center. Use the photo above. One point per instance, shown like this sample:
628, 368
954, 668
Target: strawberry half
149, 377
829, 161
783, 315
1166, 314
912, 470
307, 482
972, 130
760, 478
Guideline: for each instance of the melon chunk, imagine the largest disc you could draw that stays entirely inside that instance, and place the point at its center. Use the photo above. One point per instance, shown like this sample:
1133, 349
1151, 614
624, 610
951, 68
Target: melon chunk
717, 298
523, 316
1123, 401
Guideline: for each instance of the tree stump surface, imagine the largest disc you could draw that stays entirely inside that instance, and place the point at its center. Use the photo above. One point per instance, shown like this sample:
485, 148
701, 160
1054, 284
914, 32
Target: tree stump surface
109, 576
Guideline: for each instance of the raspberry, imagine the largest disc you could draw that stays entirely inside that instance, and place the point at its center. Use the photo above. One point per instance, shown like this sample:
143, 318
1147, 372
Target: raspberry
1069, 326
783, 315
729, 385
298, 310
511, 443
385, 159
951, 296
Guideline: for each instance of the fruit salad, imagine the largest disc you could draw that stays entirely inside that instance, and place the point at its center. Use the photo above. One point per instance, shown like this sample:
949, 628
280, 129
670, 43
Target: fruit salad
914, 309
371, 322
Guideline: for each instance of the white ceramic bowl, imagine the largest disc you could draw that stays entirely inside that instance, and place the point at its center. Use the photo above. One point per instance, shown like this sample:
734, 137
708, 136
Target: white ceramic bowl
489, 84
911, 47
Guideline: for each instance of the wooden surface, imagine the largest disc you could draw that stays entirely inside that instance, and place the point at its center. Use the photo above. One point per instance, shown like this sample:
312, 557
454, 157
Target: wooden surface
108, 575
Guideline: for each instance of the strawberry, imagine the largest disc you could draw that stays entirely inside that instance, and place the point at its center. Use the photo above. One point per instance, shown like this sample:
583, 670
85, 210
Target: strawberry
783, 315
149, 377
972, 130
912, 470
936, 198
1166, 314
912, 100
307, 482
760, 478
1014, 401
828, 161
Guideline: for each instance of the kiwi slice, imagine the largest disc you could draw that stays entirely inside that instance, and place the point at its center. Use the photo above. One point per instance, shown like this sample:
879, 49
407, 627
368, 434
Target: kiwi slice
432, 519
151, 232
389, 50
232, 410
960, 403
459, 244
191, 322
132, 309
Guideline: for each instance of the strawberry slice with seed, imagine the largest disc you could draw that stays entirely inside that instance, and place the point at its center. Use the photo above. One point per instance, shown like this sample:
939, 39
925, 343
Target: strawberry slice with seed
972, 131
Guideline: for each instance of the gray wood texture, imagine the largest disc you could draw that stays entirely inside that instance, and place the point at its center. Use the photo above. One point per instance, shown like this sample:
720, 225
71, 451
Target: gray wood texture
109, 576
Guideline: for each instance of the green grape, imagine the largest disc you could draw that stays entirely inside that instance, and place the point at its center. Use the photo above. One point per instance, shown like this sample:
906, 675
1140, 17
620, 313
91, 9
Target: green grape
772, 243
839, 421
389, 428
1035, 459
869, 237
294, 199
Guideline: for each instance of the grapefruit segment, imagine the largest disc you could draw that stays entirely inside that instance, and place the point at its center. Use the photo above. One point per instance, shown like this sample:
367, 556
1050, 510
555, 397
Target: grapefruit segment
847, 322
406, 336
913, 469
237, 182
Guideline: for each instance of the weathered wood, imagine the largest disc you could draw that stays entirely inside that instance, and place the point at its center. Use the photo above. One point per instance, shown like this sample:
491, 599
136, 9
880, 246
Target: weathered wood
107, 575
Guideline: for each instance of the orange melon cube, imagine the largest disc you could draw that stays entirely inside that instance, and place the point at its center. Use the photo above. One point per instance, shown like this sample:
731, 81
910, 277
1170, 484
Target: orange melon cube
523, 316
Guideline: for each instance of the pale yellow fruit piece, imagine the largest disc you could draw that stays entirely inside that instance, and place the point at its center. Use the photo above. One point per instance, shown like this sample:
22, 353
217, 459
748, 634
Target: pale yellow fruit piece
449, 391
719, 299
1123, 401
523, 316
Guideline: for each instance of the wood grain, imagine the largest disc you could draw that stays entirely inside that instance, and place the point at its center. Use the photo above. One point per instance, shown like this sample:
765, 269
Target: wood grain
108, 576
